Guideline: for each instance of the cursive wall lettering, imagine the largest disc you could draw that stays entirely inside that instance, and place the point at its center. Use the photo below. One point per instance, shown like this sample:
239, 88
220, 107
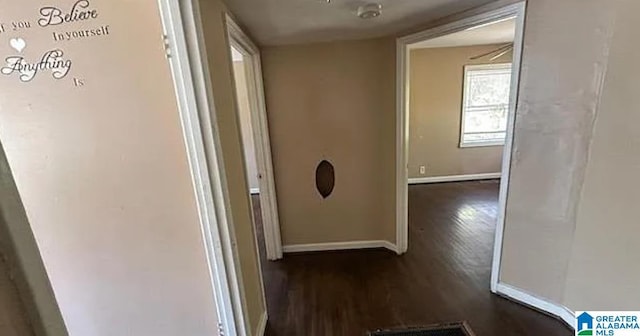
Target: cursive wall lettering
52, 60
53, 16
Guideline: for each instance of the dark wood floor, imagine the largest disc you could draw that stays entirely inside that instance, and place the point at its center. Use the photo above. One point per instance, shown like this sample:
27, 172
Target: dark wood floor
444, 277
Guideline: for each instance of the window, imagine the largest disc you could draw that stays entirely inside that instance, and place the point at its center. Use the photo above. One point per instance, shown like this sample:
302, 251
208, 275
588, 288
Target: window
485, 105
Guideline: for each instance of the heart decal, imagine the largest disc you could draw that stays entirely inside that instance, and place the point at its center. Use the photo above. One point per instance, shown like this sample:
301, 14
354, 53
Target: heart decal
18, 44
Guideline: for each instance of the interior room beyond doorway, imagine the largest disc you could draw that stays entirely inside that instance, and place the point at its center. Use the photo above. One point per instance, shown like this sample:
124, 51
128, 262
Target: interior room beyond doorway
244, 115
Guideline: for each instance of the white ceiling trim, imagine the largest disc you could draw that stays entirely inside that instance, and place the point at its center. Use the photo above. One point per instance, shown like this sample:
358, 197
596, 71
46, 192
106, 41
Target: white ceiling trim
499, 32
236, 56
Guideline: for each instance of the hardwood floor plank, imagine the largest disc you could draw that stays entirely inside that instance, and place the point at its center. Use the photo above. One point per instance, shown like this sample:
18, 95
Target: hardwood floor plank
444, 277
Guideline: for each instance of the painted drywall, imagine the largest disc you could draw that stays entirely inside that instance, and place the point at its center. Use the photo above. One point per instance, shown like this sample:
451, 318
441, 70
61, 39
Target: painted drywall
436, 91
603, 271
227, 128
244, 111
573, 172
13, 314
24, 260
335, 102
101, 167
559, 95
490, 6
558, 99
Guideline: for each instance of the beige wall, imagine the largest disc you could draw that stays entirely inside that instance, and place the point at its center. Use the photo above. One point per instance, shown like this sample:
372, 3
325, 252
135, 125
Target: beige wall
338, 85
544, 252
24, 260
13, 314
343, 110
558, 100
228, 130
568, 178
103, 175
555, 246
603, 272
436, 90
246, 129
335, 102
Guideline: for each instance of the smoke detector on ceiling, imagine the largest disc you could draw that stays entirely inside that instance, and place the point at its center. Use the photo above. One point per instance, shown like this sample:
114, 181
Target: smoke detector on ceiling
370, 11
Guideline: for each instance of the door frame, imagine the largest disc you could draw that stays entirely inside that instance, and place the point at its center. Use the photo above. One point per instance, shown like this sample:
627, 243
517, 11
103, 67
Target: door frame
262, 143
184, 42
516, 10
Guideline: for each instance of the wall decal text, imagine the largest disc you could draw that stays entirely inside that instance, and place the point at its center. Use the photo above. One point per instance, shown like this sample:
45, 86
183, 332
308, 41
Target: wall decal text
79, 11
80, 34
52, 60
20, 25
18, 44
14, 26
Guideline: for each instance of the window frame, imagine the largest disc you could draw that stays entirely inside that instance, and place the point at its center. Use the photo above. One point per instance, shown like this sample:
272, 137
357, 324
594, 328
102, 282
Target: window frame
465, 85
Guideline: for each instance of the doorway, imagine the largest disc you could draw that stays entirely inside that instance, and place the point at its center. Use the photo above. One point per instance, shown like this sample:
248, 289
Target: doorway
244, 115
252, 116
487, 87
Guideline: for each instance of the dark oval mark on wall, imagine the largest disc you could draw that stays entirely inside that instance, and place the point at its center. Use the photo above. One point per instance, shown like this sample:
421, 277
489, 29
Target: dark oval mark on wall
325, 178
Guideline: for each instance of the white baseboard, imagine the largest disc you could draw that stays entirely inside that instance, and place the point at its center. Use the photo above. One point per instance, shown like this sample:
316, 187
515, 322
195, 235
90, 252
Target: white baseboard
262, 325
454, 178
254, 191
521, 296
352, 245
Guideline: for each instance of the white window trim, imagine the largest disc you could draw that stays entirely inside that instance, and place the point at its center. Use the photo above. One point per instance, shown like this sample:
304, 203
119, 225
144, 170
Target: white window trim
467, 68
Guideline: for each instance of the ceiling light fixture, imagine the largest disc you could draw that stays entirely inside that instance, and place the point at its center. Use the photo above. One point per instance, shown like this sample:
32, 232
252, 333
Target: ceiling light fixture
370, 11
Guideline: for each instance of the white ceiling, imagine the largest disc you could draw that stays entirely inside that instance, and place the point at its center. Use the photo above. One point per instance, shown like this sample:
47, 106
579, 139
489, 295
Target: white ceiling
277, 22
500, 32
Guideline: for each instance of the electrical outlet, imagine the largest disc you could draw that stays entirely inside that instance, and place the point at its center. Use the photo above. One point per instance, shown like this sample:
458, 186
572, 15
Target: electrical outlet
423, 170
